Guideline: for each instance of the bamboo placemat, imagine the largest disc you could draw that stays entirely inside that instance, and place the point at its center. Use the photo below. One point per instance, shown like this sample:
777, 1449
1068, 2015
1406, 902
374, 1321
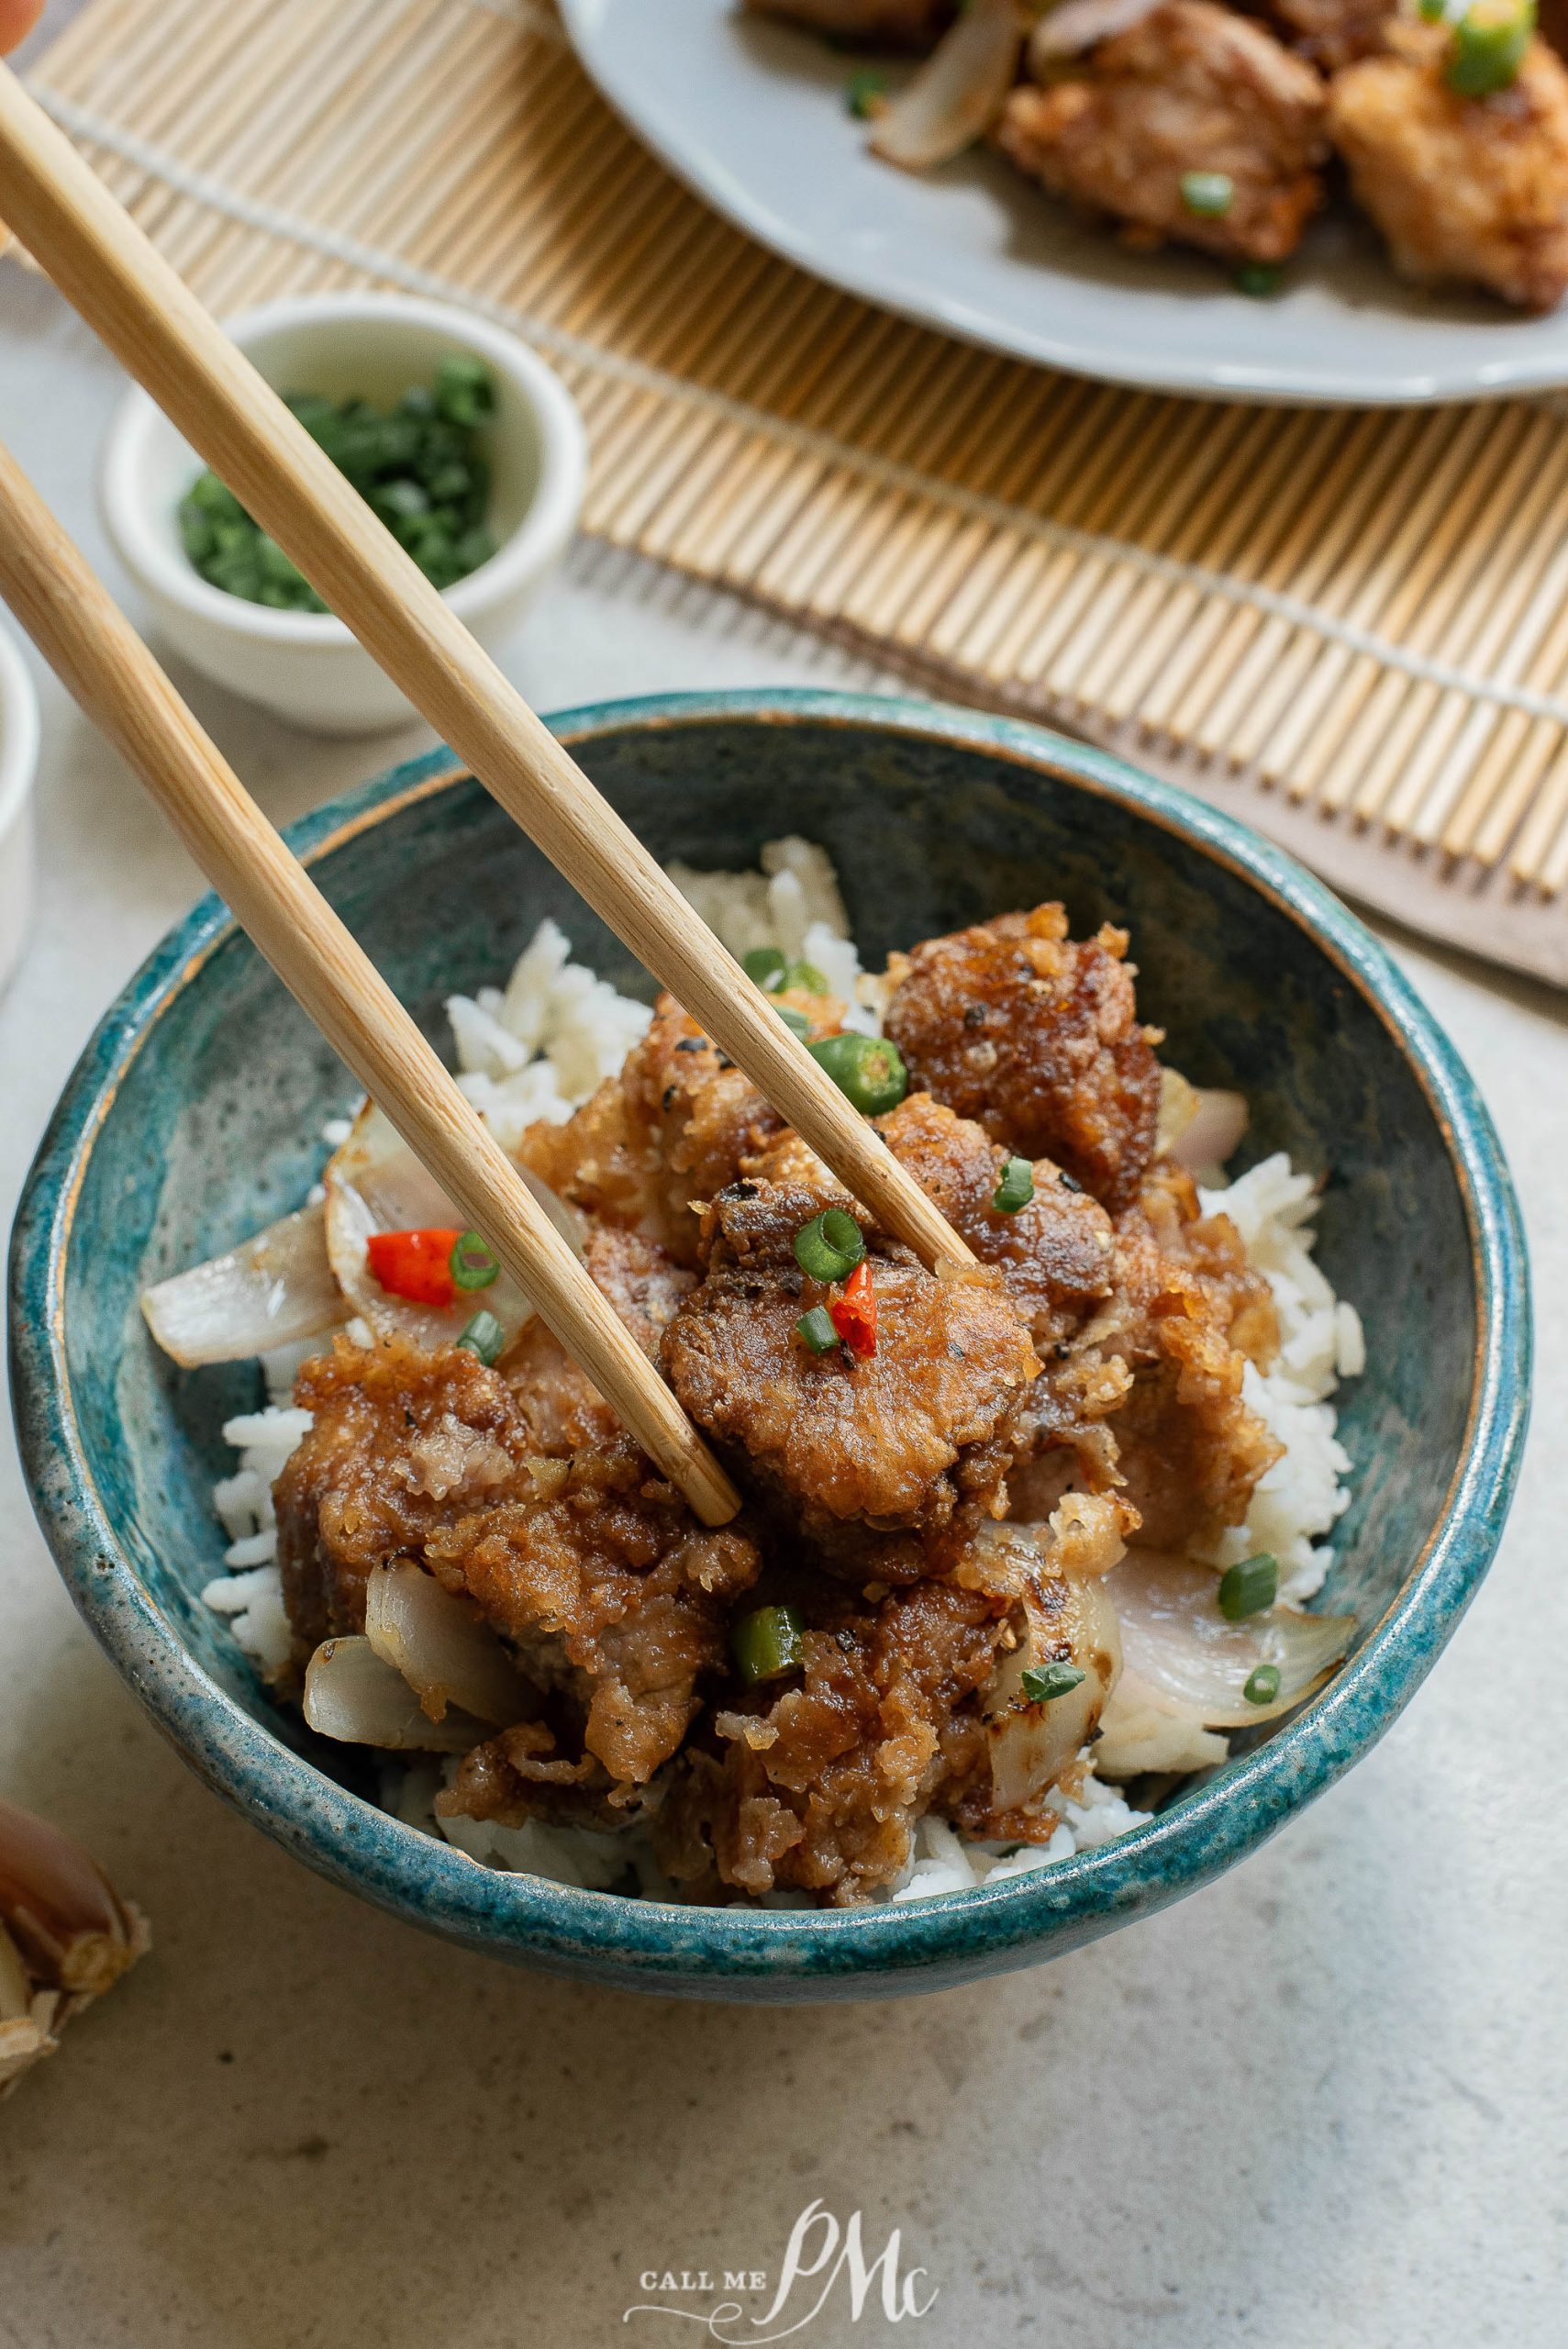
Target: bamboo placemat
1350, 628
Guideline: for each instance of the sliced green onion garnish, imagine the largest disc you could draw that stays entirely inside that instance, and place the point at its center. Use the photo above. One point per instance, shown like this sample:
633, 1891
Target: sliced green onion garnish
1489, 44
1249, 1588
863, 94
766, 1644
816, 1329
766, 967
806, 977
1263, 1686
1052, 1680
484, 1336
1016, 1187
1260, 279
796, 1021
868, 1071
830, 1246
473, 1264
1209, 194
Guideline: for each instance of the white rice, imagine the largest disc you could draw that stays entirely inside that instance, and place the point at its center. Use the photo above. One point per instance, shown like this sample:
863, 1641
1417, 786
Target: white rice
1320, 1343
539, 1048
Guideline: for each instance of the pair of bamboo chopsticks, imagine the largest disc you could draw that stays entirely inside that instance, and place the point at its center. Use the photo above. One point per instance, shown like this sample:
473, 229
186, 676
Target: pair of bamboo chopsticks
154, 325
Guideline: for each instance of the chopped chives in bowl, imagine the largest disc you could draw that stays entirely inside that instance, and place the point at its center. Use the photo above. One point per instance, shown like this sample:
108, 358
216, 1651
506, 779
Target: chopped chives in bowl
420, 466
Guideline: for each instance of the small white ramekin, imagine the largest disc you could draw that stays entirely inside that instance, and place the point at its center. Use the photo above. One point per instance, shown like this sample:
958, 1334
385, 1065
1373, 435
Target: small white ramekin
18, 767
306, 665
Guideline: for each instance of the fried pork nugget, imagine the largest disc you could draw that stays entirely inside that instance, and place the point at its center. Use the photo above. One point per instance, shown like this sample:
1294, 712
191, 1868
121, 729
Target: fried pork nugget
1191, 88
1035, 1038
1472, 190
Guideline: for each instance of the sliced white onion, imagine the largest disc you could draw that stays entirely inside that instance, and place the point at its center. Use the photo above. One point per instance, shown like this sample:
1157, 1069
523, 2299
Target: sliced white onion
351, 1694
1077, 25
1217, 1123
442, 1646
1142, 1729
1031, 1745
375, 1183
275, 1290
1175, 1637
958, 92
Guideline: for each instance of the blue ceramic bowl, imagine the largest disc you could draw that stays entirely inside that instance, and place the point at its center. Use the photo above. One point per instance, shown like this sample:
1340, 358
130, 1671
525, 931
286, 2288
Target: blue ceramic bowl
194, 1115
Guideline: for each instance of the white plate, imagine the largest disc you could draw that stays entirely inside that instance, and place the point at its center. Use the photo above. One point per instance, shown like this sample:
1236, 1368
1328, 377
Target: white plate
752, 115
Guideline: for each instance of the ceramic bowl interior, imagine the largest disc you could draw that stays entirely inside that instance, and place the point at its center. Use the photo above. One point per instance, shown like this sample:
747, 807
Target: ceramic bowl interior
195, 1118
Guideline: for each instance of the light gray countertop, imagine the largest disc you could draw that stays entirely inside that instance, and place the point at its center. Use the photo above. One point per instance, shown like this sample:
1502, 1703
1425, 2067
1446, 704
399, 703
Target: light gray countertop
1321, 2103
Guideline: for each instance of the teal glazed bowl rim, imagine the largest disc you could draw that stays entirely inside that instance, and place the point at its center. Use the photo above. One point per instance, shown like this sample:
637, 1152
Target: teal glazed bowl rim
786, 1954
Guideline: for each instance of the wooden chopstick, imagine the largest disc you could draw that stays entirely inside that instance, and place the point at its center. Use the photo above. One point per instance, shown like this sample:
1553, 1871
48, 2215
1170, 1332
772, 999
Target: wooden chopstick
139, 307
83, 635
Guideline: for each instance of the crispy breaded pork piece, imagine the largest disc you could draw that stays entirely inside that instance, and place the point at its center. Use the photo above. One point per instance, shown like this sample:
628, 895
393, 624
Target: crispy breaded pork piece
1332, 33
671, 1129
904, 1700
1468, 191
402, 1442
613, 1597
1055, 1254
849, 1448
819, 1786
1036, 1039
1160, 1370
1192, 87
405, 1442
910, 23
560, 1406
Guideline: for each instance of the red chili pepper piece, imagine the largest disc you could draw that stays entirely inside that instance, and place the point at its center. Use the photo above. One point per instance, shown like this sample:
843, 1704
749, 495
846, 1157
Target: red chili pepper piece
415, 1264
854, 1315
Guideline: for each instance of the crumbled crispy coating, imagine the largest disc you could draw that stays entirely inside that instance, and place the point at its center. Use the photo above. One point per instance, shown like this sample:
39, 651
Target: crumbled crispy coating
1469, 191
1191, 87
1036, 1039
657, 1141
819, 1786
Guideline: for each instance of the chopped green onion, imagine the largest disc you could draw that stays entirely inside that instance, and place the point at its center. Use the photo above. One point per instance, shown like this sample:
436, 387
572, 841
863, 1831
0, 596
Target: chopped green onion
473, 1264
796, 1021
1052, 1680
863, 94
806, 977
1431, 11
766, 1644
830, 1246
484, 1336
1209, 194
766, 967
1489, 44
465, 390
419, 467
1263, 1686
868, 1070
816, 1329
1259, 279
1016, 1187
1249, 1588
